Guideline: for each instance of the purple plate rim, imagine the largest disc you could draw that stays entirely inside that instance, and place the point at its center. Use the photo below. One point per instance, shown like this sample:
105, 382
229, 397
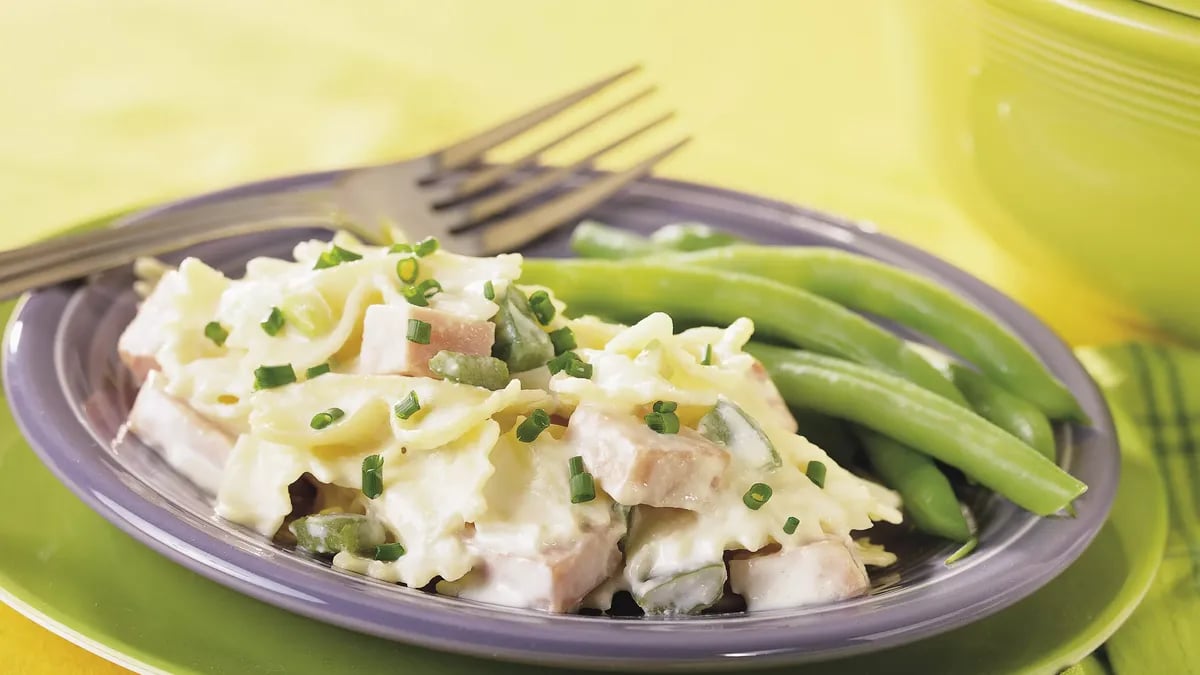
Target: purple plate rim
963, 595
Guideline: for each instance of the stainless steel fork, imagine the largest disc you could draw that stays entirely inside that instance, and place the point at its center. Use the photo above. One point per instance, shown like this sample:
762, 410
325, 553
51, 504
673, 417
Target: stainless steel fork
447, 194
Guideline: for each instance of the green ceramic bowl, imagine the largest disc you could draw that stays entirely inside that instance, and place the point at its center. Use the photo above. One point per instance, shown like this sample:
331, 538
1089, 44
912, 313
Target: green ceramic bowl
1079, 120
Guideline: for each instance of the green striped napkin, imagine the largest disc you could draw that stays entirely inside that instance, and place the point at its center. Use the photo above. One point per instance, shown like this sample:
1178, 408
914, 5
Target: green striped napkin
1159, 388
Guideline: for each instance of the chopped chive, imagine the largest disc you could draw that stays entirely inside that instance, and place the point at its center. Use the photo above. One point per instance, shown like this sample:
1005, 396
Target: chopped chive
420, 294
400, 248
790, 525
214, 331
267, 377
489, 290
575, 464
583, 488
665, 406
563, 340
408, 406
372, 476
537, 422
816, 473
419, 331
571, 364
274, 322
389, 552
663, 422
426, 246
542, 307
756, 496
408, 268
963, 551
317, 371
336, 255
707, 360
324, 419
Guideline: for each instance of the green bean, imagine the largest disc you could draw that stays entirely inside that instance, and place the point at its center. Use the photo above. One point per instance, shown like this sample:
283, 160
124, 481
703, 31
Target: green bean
691, 237
480, 371
326, 533
520, 341
1006, 410
595, 240
828, 434
923, 421
870, 286
631, 289
688, 592
928, 497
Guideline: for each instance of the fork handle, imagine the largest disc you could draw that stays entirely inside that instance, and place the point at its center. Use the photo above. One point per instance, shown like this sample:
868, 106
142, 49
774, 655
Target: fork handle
92, 254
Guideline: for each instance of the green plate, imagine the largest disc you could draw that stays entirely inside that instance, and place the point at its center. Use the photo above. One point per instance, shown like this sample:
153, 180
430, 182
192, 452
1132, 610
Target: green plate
69, 570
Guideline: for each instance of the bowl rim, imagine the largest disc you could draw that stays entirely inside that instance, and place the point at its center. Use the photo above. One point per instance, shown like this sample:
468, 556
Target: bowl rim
965, 594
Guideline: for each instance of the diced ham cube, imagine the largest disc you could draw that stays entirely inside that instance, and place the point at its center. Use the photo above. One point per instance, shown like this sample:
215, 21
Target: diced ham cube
818, 573
191, 444
774, 399
636, 465
556, 580
386, 350
144, 336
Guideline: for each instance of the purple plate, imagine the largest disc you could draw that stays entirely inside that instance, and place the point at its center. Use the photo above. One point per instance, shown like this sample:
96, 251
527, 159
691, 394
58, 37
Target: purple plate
70, 394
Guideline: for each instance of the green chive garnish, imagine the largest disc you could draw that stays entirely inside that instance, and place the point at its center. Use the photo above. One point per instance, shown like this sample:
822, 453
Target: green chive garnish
663, 422
489, 290
665, 406
408, 269
583, 488
400, 248
420, 294
563, 340
372, 476
273, 323
216, 332
707, 360
756, 496
571, 364
389, 552
317, 371
541, 306
419, 331
324, 419
816, 473
336, 255
575, 464
408, 406
426, 246
533, 426
268, 377
790, 525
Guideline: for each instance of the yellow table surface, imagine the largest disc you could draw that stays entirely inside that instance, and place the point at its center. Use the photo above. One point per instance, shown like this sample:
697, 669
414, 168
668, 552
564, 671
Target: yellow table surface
108, 104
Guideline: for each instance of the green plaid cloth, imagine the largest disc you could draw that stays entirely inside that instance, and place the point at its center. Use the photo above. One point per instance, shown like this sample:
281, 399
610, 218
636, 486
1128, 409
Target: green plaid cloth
1159, 388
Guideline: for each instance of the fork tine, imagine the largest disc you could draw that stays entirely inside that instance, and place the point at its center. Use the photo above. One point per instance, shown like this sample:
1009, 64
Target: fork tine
464, 152
477, 211
492, 175
522, 228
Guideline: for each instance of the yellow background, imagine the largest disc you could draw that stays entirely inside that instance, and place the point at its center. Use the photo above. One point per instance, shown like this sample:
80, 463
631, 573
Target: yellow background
107, 104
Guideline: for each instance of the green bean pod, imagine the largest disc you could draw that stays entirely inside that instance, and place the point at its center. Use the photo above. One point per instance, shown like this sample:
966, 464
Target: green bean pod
595, 240
867, 285
928, 498
1006, 410
480, 371
632, 289
520, 341
924, 421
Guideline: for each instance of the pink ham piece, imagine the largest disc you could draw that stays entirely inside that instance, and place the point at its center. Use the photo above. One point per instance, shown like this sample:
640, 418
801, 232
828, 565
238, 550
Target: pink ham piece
556, 580
814, 574
636, 465
386, 350
191, 444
